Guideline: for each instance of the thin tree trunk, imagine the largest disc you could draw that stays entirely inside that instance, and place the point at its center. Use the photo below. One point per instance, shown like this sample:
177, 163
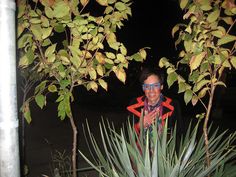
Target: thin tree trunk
74, 154
205, 127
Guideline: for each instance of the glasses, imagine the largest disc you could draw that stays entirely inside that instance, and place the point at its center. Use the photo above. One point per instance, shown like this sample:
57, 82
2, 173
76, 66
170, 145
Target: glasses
151, 86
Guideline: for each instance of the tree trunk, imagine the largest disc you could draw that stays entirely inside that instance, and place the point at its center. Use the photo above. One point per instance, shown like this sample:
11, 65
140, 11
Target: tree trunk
205, 127
74, 154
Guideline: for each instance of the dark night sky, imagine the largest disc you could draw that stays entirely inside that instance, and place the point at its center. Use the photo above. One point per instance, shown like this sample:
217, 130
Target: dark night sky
149, 26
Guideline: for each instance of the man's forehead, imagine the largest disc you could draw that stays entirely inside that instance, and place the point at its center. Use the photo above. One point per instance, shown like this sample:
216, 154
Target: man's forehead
152, 79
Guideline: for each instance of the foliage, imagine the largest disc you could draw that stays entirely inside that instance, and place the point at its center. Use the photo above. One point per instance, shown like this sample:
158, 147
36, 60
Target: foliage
208, 51
158, 155
70, 47
208, 47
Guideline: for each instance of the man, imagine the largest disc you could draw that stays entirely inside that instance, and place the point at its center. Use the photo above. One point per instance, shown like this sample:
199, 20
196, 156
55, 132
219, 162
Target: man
154, 106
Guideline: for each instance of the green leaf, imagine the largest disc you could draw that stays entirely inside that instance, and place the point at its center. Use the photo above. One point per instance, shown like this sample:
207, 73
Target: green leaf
102, 2
61, 9
86, 36
64, 83
226, 39
93, 85
218, 33
228, 20
143, 53
21, 9
206, 7
233, 61
163, 62
76, 61
51, 58
59, 28
46, 42
24, 40
46, 32
213, 16
200, 84
111, 1
50, 50
188, 96
23, 61
64, 108
65, 60
204, 67
111, 38
100, 70
201, 76
233, 10
92, 73
62, 72
45, 21
171, 78
200, 116
189, 29
174, 30
183, 3
220, 83
108, 10
40, 88
46, 2
30, 56
61, 111
26, 112
137, 57
226, 64
120, 6
182, 87
194, 100
194, 76
110, 55
170, 70
109, 61
33, 13
103, 83
95, 40
203, 92
35, 20
40, 100
121, 58
84, 2
196, 60
49, 12
188, 45
37, 31
67, 104
120, 74
52, 88
114, 45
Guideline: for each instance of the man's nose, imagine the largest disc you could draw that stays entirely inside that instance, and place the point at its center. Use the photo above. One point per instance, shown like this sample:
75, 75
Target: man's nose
151, 88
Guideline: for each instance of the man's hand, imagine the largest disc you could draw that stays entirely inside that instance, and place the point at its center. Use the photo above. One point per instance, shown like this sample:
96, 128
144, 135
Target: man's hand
150, 118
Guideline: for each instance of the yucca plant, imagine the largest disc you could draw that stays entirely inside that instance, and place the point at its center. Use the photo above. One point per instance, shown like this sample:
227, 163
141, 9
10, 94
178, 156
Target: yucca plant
126, 154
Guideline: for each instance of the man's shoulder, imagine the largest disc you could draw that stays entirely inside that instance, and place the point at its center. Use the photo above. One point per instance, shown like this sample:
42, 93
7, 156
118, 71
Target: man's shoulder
137, 100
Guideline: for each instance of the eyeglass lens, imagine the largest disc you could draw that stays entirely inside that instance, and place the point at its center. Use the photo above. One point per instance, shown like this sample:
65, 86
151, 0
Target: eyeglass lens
151, 86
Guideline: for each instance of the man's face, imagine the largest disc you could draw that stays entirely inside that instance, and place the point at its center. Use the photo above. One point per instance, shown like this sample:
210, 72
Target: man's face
152, 89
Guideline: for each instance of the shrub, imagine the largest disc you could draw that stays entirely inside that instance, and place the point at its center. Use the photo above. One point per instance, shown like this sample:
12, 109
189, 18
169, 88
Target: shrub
159, 155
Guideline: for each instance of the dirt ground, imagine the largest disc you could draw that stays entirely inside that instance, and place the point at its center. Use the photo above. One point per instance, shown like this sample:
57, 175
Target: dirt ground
47, 138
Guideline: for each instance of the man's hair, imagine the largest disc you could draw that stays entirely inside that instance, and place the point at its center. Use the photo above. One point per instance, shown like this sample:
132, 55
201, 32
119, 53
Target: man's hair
146, 72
